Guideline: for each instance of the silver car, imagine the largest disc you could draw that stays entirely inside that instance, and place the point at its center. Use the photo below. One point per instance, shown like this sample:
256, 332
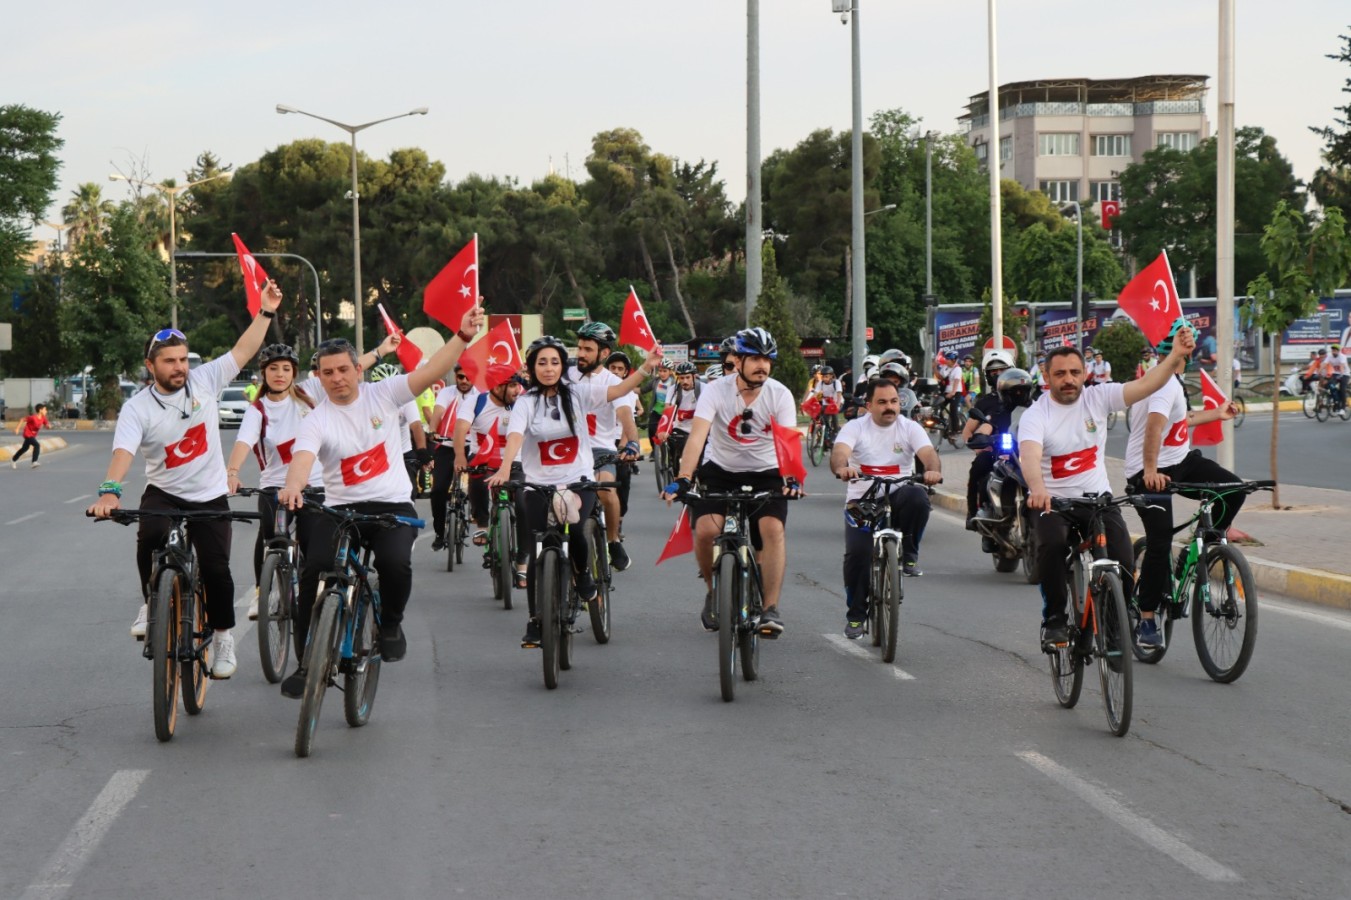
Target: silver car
232, 405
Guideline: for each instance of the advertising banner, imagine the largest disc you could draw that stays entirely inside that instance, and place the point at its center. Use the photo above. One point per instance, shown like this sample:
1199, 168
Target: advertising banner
1330, 325
1058, 326
957, 332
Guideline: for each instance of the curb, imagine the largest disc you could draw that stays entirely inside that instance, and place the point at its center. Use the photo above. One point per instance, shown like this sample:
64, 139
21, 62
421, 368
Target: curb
7, 451
1311, 585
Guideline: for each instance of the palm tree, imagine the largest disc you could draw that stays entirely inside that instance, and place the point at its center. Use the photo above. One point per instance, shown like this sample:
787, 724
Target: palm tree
87, 213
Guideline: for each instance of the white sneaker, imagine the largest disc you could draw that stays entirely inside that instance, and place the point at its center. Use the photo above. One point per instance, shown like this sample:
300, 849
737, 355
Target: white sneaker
13, 464
253, 606
223, 655
36, 464
138, 627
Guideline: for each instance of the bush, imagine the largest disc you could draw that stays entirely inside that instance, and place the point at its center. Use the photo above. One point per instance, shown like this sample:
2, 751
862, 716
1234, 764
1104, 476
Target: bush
1121, 344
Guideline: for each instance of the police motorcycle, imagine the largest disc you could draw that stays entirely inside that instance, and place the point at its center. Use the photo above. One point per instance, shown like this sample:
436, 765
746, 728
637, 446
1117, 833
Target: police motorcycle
1007, 526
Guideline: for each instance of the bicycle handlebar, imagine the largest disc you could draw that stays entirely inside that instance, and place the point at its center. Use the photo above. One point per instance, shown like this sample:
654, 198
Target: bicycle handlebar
127, 516
1100, 501
1220, 487
388, 520
575, 486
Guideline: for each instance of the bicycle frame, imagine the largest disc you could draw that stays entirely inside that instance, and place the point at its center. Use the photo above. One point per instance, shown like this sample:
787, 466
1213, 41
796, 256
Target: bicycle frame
177, 556
351, 571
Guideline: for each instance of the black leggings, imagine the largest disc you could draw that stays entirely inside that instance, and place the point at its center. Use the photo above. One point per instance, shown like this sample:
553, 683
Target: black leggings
978, 480
267, 530
535, 520
1053, 537
210, 538
443, 476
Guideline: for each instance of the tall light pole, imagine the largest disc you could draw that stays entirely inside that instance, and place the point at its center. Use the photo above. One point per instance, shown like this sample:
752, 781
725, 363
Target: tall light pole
846, 9
356, 216
754, 221
1224, 226
172, 193
996, 201
930, 301
1071, 207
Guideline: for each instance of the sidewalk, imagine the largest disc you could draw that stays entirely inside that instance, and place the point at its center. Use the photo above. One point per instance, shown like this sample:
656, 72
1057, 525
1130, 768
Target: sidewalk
1302, 549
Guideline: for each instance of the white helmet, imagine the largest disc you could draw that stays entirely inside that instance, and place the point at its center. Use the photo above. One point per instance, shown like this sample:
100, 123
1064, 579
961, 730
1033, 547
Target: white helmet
993, 355
870, 362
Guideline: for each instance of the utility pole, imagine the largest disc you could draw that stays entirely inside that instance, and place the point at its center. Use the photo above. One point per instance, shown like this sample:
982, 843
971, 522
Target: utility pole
754, 223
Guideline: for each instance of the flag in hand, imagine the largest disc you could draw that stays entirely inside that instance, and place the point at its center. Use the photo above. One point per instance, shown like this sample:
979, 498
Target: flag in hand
681, 540
493, 360
788, 450
454, 290
1211, 433
1151, 300
664, 424
408, 353
635, 329
255, 279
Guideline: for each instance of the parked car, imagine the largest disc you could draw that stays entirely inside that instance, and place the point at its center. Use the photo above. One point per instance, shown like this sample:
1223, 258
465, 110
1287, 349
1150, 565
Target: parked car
232, 405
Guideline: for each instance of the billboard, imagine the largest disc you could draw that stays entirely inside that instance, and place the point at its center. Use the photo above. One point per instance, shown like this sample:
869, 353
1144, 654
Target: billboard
1056, 327
957, 332
1330, 325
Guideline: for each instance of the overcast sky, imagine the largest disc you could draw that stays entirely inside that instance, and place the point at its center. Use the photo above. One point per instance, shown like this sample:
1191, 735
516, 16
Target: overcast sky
513, 85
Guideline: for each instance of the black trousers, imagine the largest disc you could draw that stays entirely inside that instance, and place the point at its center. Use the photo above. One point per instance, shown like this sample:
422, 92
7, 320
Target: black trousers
981, 467
1158, 521
910, 508
211, 540
443, 476
393, 554
267, 530
534, 520
1053, 537
28, 442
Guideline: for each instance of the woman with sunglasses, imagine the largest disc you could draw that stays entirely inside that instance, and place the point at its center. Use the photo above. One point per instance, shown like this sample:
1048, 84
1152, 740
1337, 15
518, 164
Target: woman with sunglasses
548, 431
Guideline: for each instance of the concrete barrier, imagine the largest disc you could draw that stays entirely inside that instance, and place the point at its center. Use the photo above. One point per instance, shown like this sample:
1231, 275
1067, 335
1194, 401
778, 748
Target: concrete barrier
47, 444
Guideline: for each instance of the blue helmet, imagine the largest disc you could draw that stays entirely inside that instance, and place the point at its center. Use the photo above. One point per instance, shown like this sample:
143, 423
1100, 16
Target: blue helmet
756, 342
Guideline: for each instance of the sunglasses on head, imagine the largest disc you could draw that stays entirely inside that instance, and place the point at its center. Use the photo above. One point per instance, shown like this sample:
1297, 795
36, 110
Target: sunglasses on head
163, 336
746, 415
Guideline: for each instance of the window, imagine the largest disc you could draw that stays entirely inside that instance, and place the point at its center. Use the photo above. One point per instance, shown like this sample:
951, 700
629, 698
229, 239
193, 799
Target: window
1059, 191
1105, 190
1177, 140
1005, 149
1111, 145
1058, 144
982, 152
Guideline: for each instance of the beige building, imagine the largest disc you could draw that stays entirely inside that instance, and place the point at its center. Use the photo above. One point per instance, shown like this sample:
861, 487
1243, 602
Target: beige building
1071, 138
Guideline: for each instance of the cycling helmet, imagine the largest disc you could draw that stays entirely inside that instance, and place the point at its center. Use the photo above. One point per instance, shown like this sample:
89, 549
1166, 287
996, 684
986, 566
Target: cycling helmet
893, 355
756, 342
728, 345
383, 371
1015, 389
992, 357
599, 332
1165, 346
713, 371
968, 358
273, 352
619, 357
686, 368
895, 368
871, 361
827, 370
539, 344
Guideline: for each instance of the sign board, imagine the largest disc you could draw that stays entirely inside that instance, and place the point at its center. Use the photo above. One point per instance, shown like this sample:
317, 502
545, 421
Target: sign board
868, 333
577, 314
1009, 344
675, 352
1331, 324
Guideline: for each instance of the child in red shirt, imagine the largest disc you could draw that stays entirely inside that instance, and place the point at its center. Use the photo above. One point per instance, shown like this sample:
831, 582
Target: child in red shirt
30, 426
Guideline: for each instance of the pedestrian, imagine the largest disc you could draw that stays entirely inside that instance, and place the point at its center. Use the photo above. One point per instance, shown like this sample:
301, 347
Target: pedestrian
252, 389
29, 428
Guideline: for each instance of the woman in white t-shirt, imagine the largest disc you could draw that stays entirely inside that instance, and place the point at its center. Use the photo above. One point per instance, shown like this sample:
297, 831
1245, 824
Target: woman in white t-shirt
549, 432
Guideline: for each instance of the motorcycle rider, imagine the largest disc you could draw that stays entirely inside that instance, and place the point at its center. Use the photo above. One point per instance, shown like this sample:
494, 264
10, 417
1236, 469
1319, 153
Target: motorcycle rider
994, 363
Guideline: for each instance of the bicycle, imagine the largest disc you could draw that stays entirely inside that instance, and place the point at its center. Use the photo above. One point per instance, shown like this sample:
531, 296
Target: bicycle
278, 585
1098, 618
178, 636
344, 627
1224, 651
872, 511
499, 554
457, 523
556, 608
737, 586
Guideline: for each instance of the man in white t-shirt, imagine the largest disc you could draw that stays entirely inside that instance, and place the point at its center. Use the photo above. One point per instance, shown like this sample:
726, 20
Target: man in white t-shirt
175, 426
733, 417
449, 401
482, 423
1101, 368
1062, 444
1335, 370
883, 442
355, 437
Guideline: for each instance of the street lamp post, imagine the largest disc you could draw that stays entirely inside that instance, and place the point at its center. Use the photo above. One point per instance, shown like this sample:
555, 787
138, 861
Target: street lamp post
930, 301
849, 271
848, 10
356, 217
172, 193
1073, 205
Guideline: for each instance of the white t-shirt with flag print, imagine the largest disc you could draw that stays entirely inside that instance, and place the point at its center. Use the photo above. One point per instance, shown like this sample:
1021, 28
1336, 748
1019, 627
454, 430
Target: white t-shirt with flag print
274, 450
358, 444
881, 450
732, 447
685, 403
1073, 439
179, 433
552, 453
602, 423
452, 401
487, 430
1169, 401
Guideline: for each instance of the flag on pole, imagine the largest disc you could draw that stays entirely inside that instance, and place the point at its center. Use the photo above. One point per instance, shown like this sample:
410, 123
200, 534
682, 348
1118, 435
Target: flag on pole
493, 360
408, 353
1110, 210
664, 424
454, 290
788, 451
681, 540
1211, 433
635, 329
255, 279
1151, 300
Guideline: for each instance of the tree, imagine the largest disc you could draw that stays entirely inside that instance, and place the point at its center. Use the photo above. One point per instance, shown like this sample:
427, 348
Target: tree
1331, 185
772, 313
28, 166
1122, 345
86, 212
1304, 267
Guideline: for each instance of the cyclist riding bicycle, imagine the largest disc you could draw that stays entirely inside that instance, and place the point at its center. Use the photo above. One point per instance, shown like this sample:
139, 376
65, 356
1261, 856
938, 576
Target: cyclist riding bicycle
449, 401
174, 425
883, 442
829, 395
1335, 370
1062, 443
485, 421
684, 400
620, 366
662, 386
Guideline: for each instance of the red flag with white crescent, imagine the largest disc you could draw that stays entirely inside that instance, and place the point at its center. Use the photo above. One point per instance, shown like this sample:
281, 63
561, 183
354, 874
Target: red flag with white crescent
408, 353
365, 466
634, 328
255, 279
1110, 209
446, 427
494, 359
558, 452
454, 290
681, 540
665, 423
1211, 433
490, 447
1151, 300
192, 445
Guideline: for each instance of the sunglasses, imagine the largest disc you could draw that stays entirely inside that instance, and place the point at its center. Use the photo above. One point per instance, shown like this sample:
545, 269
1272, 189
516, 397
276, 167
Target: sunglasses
163, 336
554, 410
746, 415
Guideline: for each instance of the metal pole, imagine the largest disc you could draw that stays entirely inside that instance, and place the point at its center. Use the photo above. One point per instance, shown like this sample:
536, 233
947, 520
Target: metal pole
356, 250
1079, 275
173, 268
754, 269
996, 215
1224, 238
930, 319
860, 323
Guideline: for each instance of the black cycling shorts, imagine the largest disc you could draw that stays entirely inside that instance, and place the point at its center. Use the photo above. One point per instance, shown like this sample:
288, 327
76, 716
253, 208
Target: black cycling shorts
714, 478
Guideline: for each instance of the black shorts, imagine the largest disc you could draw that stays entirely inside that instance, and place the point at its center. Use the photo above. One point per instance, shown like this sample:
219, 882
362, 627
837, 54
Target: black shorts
713, 477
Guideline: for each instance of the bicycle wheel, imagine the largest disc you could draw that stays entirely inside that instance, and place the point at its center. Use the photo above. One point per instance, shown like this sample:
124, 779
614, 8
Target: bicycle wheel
194, 675
452, 518
875, 623
1310, 404
274, 616
363, 673
815, 443
318, 663
1242, 410
1322, 410
461, 533
1067, 666
548, 599
1147, 655
599, 562
1224, 616
659, 466
748, 648
725, 592
506, 554
163, 636
1112, 645
888, 599
1028, 535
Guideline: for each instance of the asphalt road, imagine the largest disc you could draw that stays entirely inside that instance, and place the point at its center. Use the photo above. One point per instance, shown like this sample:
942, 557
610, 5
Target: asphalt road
953, 773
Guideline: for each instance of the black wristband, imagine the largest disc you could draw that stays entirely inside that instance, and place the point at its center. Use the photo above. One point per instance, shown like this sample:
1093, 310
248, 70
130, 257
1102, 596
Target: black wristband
268, 314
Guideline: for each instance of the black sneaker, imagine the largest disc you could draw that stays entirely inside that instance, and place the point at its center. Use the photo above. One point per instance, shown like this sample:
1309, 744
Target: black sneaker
533, 635
854, 630
393, 645
970, 523
293, 685
1054, 632
988, 545
771, 625
619, 558
709, 617
910, 569
438, 543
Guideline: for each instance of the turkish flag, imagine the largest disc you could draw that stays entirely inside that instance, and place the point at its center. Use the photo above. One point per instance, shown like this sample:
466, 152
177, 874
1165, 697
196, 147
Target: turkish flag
880, 470
832, 407
1151, 300
408, 353
255, 279
684, 415
1177, 435
788, 451
811, 407
494, 359
446, 427
192, 445
1211, 433
1072, 464
681, 540
558, 452
284, 451
454, 290
665, 424
1109, 210
490, 447
365, 466
635, 329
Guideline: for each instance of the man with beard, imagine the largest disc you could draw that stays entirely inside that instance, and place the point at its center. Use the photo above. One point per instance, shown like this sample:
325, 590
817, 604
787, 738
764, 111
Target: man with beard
882, 442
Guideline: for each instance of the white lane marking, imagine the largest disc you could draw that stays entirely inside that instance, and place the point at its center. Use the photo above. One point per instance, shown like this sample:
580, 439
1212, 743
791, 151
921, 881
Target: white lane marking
78, 499
1321, 618
63, 866
853, 648
1137, 825
24, 518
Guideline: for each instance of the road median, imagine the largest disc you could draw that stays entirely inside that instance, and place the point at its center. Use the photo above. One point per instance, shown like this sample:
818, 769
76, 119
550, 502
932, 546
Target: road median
7, 451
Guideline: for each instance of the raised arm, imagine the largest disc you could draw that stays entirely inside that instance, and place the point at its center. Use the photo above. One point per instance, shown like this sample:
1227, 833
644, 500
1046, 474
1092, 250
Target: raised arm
443, 360
1174, 363
615, 391
251, 341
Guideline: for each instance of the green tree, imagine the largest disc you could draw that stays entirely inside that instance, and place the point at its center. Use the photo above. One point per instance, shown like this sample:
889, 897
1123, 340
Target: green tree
86, 212
28, 167
1304, 267
1040, 264
37, 344
773, 314
1122, 345
1331, 185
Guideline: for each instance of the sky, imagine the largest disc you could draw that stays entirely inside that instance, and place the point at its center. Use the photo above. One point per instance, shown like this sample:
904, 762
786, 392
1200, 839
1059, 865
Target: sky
515, 87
